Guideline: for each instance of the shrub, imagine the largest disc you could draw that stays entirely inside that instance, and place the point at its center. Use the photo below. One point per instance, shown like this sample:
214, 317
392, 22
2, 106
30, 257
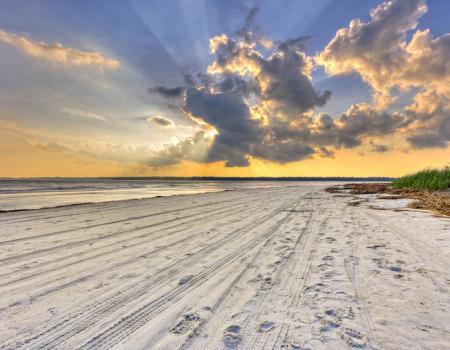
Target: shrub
428, 179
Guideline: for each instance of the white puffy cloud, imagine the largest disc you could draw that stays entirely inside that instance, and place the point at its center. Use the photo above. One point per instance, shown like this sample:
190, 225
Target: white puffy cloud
378, 50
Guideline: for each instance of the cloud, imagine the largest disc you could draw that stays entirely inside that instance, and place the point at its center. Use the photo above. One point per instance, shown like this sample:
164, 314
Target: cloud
375, 49
325, 152
168, 92
282, 80
161, 121
238, 136
287, 83
194, 148
380, 148
289, 150
77, 113
428, 120
246, 101
258, 100
358, 122
249, 23
58, 53
378, 50
230, 118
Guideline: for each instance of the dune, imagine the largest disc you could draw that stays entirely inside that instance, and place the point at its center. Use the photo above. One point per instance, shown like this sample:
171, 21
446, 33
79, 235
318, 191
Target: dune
263, 268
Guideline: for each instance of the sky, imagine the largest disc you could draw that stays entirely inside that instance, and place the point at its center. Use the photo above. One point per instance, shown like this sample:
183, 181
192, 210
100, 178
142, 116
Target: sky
223, 88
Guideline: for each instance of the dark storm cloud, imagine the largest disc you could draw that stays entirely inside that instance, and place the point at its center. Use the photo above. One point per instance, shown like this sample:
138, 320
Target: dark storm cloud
225, 111
380, 148
172, 106
249, 21
198, 79
167, 92
230, 116
363, 119
288, 84
232, 83
249, 28
162, 121
353, 126
325, 152
282, 152
298, 43
428, 140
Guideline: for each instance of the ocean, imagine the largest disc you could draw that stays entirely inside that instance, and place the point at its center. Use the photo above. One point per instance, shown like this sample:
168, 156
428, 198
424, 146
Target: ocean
24, 194
21, 194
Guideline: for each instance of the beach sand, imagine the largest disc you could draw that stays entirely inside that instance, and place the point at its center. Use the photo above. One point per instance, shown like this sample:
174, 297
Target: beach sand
273, 268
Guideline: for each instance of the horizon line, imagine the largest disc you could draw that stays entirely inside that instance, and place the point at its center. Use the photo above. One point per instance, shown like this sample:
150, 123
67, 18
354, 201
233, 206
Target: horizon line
207, 178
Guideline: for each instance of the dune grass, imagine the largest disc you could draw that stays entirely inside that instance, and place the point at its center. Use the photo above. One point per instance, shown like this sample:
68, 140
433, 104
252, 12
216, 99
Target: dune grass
428, 179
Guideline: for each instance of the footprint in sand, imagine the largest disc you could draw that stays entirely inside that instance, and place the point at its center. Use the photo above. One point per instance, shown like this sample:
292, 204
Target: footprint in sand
189, 322
381, 263
324, 266
231, 337
330, 320
354, 338
266, 326
331, 312
315, 287
376, 246
233, 329
395, 269
328, 275
296, 345
185, 279
266, 283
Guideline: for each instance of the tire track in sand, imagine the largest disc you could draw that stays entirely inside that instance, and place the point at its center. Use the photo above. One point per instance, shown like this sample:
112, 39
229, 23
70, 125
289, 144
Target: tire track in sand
212, 214
82, 320
290, 288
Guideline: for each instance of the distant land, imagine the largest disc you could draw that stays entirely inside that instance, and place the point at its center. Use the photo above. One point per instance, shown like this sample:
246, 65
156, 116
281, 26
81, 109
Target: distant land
212, 178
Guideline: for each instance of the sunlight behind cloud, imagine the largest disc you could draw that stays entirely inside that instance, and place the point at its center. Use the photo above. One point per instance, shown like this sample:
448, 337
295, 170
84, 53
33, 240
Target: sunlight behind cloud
229, 84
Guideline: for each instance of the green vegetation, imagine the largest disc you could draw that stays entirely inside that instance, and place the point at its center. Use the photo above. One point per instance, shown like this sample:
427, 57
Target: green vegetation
429, 179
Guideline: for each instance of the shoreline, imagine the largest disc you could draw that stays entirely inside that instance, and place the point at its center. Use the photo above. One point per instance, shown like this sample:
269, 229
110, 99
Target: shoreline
90, 196
437, 202
105, 202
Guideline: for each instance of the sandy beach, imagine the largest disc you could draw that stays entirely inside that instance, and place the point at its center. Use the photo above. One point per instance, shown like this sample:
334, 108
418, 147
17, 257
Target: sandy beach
269, 268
